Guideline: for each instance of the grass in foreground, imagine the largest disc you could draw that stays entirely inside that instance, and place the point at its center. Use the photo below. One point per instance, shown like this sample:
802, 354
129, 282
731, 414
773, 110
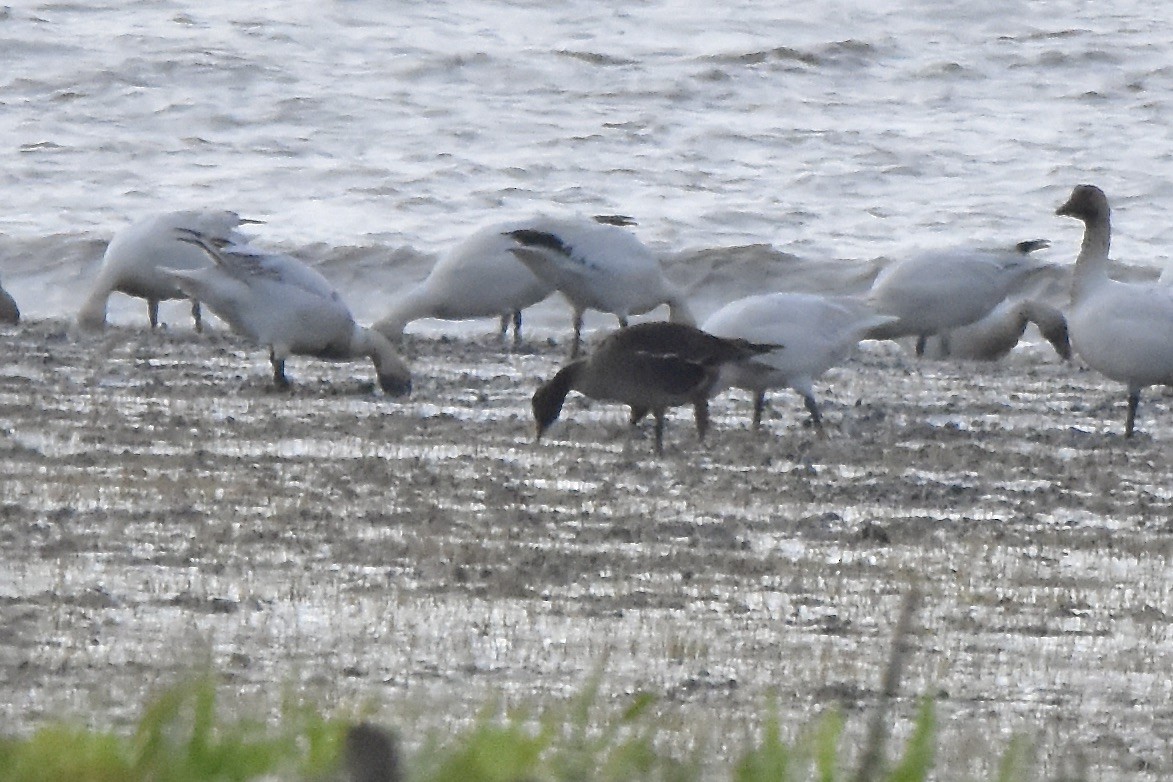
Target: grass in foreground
183, 737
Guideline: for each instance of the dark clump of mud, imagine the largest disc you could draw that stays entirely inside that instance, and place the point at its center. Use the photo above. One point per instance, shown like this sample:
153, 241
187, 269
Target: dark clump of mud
161, 504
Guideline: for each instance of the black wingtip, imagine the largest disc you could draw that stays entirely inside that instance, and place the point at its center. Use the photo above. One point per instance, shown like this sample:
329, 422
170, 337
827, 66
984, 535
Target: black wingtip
1031, 245
757, 348
531, 238
623, 221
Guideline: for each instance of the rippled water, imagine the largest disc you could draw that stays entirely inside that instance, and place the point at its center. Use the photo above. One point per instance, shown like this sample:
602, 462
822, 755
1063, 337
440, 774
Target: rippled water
830, 130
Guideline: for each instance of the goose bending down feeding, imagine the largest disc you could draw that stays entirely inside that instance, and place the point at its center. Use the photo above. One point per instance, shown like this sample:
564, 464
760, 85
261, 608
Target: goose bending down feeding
9, 312
937, 291
819, 332
478, 278
999, 332
599, 266
650, 367
137, 256
281, 303
1122, 330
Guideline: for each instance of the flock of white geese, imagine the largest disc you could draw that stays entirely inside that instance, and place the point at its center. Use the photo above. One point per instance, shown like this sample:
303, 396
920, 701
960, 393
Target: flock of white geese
964, 303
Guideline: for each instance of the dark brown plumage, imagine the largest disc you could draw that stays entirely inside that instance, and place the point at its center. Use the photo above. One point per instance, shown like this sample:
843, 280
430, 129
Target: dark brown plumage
649, 366
9, 312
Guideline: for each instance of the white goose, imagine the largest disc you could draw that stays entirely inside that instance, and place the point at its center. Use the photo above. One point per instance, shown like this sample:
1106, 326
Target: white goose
281, 303
934, 292
136, 256
479, 278
1122, 330
9, 312
599, 266
816, 332
999, 332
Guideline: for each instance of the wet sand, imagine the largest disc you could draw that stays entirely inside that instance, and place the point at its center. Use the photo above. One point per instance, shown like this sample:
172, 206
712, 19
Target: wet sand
162, 505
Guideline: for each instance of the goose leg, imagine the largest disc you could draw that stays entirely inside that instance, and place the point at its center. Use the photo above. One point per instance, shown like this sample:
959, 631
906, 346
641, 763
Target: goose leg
813, 408
701, 416
759, 406
153, 312
946, 346
279, 378
504, 323
516, 328
196, 316
637, 414
920, 345
622, 321
577, 333
1133, 402
659, 431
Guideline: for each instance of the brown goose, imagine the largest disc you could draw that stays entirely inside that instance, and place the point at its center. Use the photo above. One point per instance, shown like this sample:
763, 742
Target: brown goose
650, 367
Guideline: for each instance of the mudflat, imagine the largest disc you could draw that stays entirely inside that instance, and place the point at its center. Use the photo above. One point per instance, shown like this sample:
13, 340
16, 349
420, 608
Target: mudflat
162, 506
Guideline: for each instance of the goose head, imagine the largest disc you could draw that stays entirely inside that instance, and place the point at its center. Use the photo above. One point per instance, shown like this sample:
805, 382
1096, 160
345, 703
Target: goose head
1087, 203
548, 399
1052, 324
92, 315
392, 371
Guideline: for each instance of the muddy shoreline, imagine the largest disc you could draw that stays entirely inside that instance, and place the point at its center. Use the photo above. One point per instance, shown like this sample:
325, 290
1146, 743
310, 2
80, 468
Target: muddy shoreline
161, 505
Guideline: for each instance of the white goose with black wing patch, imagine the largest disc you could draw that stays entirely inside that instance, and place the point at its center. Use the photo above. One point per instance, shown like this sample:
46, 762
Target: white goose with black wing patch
281, 303
599, 266
934, 292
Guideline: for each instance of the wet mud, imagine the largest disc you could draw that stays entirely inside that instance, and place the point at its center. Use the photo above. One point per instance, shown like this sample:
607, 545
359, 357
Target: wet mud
161, 505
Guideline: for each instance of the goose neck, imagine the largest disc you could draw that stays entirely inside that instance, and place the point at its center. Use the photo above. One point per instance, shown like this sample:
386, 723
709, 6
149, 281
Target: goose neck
1091, 266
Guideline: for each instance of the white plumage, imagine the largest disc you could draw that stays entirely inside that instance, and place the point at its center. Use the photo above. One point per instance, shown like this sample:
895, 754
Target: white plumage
137, 255
281, 303
934, 292
815, 333
478, 278
1122, 330
999, 332
598, 266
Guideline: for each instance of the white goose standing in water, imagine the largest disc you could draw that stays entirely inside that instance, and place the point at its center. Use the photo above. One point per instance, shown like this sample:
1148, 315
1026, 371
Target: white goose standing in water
818, 332
1122, 330
599, 266
281, 303
136, 257
934, 292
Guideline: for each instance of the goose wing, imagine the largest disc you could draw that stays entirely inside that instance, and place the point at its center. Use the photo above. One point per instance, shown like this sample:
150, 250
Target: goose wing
251, 265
